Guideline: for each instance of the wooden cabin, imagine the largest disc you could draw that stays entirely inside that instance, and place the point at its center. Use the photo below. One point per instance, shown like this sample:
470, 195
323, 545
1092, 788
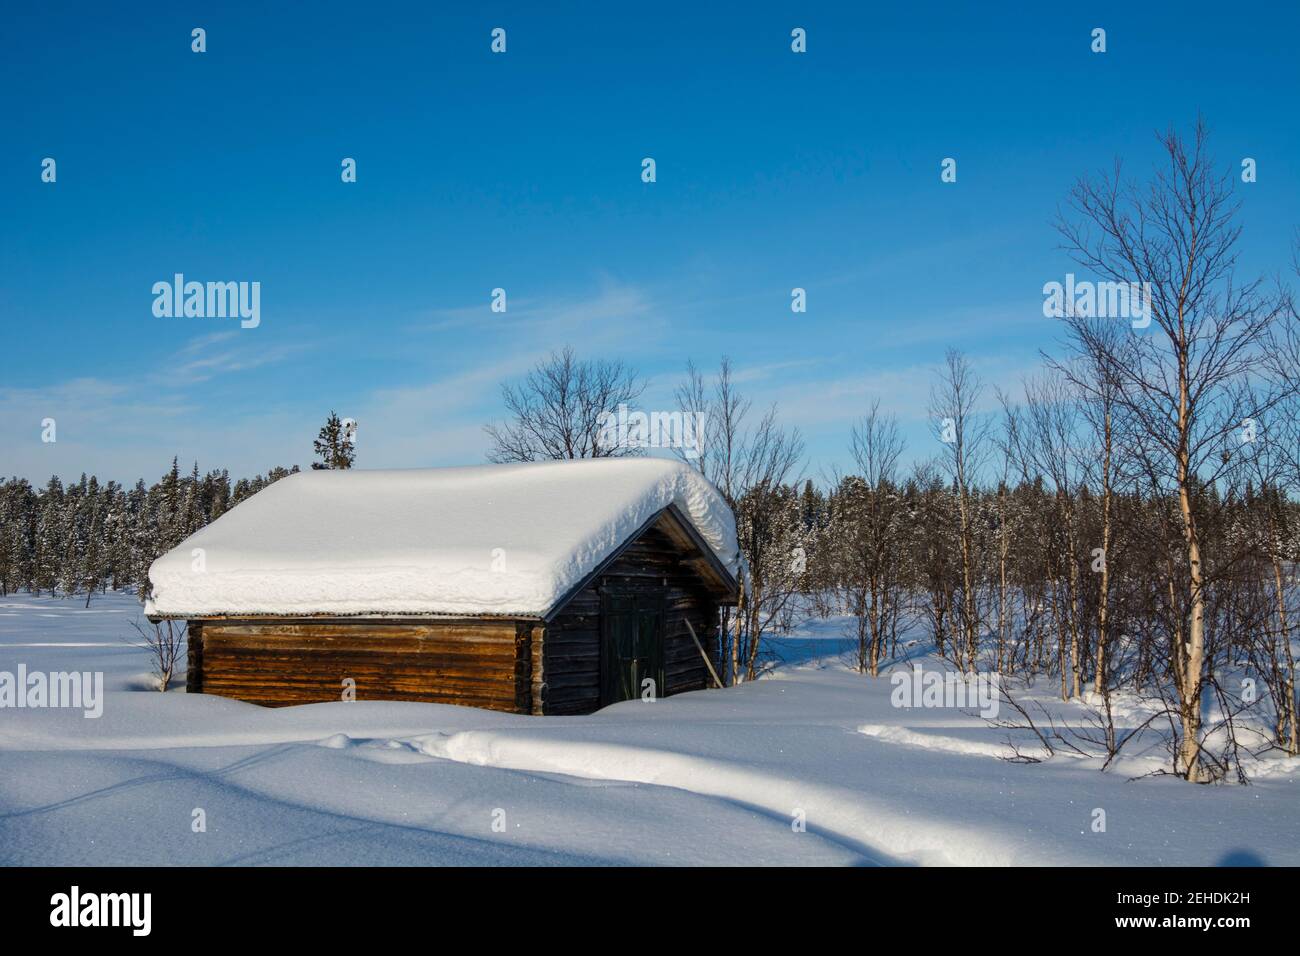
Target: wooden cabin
550, 588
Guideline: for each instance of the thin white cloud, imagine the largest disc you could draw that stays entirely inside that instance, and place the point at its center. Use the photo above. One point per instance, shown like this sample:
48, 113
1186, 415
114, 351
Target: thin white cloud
441, 421
121, 427
904, 392
130, 425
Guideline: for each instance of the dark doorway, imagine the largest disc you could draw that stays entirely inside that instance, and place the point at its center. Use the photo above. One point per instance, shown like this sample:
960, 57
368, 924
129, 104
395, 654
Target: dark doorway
631, 646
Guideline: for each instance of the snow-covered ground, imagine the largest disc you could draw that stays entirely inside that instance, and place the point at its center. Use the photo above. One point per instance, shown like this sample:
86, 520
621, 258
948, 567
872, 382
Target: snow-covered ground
714, 777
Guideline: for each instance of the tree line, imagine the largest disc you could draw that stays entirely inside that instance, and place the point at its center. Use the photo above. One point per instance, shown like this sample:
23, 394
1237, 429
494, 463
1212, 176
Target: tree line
88, 537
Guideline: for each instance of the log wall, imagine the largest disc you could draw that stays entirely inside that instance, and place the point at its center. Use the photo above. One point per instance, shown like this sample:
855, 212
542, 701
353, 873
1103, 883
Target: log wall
275, 663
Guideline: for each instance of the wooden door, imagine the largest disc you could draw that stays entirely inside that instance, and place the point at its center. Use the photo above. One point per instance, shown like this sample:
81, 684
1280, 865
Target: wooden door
631, 646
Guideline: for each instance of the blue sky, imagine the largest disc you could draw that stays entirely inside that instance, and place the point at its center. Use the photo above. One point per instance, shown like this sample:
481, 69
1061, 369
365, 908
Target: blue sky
522, 171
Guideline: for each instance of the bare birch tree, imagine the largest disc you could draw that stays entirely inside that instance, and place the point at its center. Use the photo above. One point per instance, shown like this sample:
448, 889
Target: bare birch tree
962, 432
873, 533
1089, 342
1052, 445
1179, 380
752, 464
556, 411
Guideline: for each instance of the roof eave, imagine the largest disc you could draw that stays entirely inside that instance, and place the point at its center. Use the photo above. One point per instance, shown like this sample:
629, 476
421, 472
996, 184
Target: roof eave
325, 618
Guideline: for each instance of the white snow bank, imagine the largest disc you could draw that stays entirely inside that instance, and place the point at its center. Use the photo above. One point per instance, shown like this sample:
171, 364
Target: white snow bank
849, 816
488, 539
907, 737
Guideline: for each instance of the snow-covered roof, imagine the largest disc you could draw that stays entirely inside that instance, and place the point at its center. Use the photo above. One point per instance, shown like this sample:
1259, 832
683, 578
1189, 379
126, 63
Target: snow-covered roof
487, 539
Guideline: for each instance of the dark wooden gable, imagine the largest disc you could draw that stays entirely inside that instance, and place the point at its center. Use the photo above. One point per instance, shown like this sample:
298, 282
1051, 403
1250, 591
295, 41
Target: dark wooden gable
686, 546
667, 559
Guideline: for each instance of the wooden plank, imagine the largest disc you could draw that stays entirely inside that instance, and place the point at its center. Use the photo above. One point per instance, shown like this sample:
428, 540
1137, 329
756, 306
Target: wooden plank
269, 699
459, 633
360, 657
537, 649
558, 696
368, 685
565, 667
375, 677
522, 676
194, 658
555, 683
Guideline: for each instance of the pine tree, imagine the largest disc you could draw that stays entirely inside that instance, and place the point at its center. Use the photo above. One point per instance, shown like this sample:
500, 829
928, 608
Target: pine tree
334, 445
190, 518
143, 532
167, 510
17, 518
91, 543
46, 559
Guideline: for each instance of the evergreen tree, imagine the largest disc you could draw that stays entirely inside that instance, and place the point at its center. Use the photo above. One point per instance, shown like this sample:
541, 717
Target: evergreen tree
47, 550
334, 445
